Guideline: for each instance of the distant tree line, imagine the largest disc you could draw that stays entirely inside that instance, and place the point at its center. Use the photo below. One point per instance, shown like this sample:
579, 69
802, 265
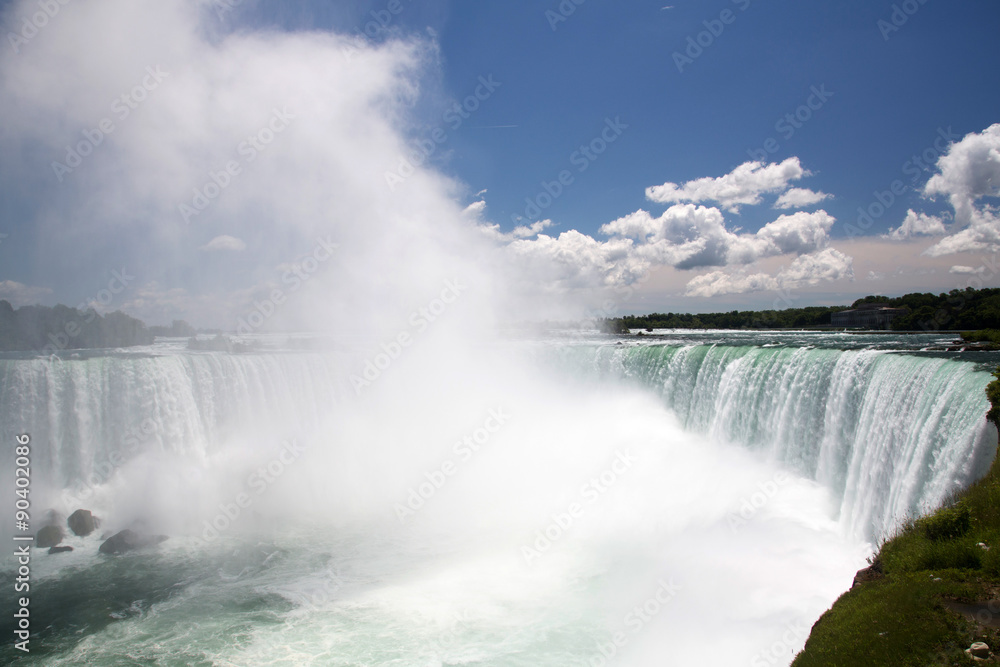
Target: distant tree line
47, 329
958, 309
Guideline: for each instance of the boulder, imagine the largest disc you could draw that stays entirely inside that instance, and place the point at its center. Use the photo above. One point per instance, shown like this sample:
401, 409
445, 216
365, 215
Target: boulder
129, 540
979, 650
59, 550
870, 573
82, 522
49, 536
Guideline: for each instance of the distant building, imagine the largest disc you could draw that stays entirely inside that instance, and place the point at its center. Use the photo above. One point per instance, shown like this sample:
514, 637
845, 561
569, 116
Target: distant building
868, 316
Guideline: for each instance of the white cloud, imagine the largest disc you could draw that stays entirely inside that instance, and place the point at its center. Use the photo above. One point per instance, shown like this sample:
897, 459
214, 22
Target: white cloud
743, 186
688, 237
806, 270
917, 224
969, 171
800, 198
799, 232
574, 260
962, 270
19, 294
225, 243
520, 232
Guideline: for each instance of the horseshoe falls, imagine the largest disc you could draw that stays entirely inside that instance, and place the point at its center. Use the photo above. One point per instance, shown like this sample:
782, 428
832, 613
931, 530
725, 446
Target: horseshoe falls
684, 498
891, 435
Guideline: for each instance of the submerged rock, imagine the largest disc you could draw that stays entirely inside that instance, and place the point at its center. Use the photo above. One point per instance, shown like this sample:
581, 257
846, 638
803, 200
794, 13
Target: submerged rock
59, 550
82, 522
128, 540
49, 536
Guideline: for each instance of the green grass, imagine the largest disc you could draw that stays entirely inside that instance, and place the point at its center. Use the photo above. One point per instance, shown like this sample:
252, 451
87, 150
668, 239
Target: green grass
900, 619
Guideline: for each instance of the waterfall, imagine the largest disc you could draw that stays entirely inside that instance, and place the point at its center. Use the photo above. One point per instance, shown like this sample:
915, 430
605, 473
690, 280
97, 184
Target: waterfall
87, 417
891, 434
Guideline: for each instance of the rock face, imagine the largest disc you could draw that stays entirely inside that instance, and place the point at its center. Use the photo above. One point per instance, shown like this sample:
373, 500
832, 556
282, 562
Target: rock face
60, 550
82, 522
49, 536
128, 540
870, 573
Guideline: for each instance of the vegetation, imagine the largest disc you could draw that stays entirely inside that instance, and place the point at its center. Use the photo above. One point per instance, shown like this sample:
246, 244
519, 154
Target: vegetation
956, 310
49, 330
988, 337
901, 615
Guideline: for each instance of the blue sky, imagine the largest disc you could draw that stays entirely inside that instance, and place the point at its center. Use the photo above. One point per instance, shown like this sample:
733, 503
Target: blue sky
886, 81
606, 60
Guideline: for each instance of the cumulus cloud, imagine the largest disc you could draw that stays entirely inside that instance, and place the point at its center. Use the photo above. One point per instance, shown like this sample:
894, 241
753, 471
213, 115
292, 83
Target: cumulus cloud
687, 236
969, 171
967, 174
19, 294
800, 198
806, 270
963, 270
742, 186
917, 224
574, 261
225, 243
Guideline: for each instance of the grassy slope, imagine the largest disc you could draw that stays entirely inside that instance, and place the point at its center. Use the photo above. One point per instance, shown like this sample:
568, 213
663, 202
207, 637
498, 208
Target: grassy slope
899, 619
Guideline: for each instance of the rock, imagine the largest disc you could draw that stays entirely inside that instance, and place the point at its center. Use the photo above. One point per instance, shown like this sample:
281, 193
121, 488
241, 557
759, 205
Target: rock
870, 573
128, 540
49, 536
59, 550
82, 522
979, 650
